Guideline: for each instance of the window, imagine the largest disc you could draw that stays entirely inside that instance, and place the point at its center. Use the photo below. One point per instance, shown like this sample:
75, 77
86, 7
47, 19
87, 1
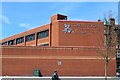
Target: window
30, 37
4, 43
118, 54
11, 42
44, 45
19, 40
118, 65
43, 34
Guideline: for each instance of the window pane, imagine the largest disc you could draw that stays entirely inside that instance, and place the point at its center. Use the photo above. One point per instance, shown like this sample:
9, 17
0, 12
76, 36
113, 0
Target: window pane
4, 43
20, 40
30, 37
43, 34
11, 42
46, 33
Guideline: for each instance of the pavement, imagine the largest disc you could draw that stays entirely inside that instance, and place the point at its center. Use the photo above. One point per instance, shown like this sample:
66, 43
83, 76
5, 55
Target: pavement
62, 78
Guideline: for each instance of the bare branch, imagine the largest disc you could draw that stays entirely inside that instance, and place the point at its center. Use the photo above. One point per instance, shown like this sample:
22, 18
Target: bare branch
110, 58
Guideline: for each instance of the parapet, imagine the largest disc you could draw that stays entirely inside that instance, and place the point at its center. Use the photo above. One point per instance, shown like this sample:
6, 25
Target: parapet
58, 17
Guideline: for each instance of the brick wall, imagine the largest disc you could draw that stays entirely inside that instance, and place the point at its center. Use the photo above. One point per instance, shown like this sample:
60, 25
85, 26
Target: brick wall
68, 61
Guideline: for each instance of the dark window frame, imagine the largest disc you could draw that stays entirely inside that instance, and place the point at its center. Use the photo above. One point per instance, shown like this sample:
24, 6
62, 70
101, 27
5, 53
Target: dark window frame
43, 34
4, 43
20, 40
29, 37
11, 42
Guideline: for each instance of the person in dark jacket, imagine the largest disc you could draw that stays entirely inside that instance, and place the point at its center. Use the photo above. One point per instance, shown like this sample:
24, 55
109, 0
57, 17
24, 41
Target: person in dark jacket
55, 76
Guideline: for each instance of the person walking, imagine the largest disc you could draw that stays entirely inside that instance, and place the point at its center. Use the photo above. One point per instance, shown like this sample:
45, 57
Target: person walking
55, 76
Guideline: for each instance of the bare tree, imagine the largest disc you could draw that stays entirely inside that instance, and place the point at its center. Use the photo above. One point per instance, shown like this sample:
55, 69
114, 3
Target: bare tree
107, 52
110, 39
107, 45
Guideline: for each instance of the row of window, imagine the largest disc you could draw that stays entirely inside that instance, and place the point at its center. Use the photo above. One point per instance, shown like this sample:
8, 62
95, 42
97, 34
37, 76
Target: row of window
40, 35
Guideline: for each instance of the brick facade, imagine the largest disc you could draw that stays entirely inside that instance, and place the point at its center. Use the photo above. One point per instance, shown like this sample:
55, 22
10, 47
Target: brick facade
74, 48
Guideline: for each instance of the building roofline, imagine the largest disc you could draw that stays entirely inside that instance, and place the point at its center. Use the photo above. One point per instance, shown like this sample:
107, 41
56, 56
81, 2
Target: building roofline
76, 21
24, 32
58, 14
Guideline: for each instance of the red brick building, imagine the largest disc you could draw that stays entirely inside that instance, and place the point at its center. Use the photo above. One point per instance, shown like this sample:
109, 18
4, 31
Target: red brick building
75, 48
60, 32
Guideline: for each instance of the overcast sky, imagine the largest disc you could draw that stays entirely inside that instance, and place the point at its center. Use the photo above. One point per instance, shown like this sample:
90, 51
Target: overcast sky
21, 16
